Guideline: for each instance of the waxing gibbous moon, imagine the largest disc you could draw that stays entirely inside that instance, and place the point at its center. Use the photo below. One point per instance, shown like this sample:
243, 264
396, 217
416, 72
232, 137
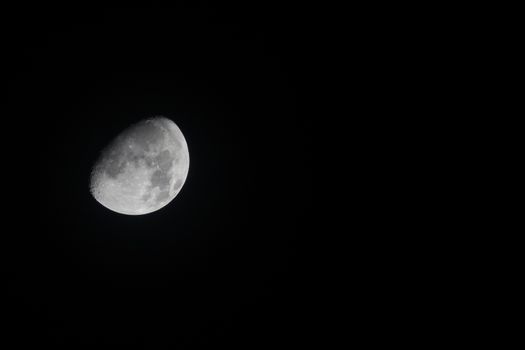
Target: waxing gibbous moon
142, 169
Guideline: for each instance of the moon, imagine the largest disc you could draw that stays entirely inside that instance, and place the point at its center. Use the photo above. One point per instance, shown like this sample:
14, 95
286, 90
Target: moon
142, 169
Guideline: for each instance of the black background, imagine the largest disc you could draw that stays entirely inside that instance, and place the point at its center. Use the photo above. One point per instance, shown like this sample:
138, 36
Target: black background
224, 263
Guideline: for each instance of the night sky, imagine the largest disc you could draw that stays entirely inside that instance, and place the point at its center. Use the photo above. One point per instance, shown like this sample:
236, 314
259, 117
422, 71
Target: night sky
225, 262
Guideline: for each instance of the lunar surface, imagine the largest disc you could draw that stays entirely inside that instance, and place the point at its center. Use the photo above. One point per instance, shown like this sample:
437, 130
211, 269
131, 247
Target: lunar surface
142, 169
